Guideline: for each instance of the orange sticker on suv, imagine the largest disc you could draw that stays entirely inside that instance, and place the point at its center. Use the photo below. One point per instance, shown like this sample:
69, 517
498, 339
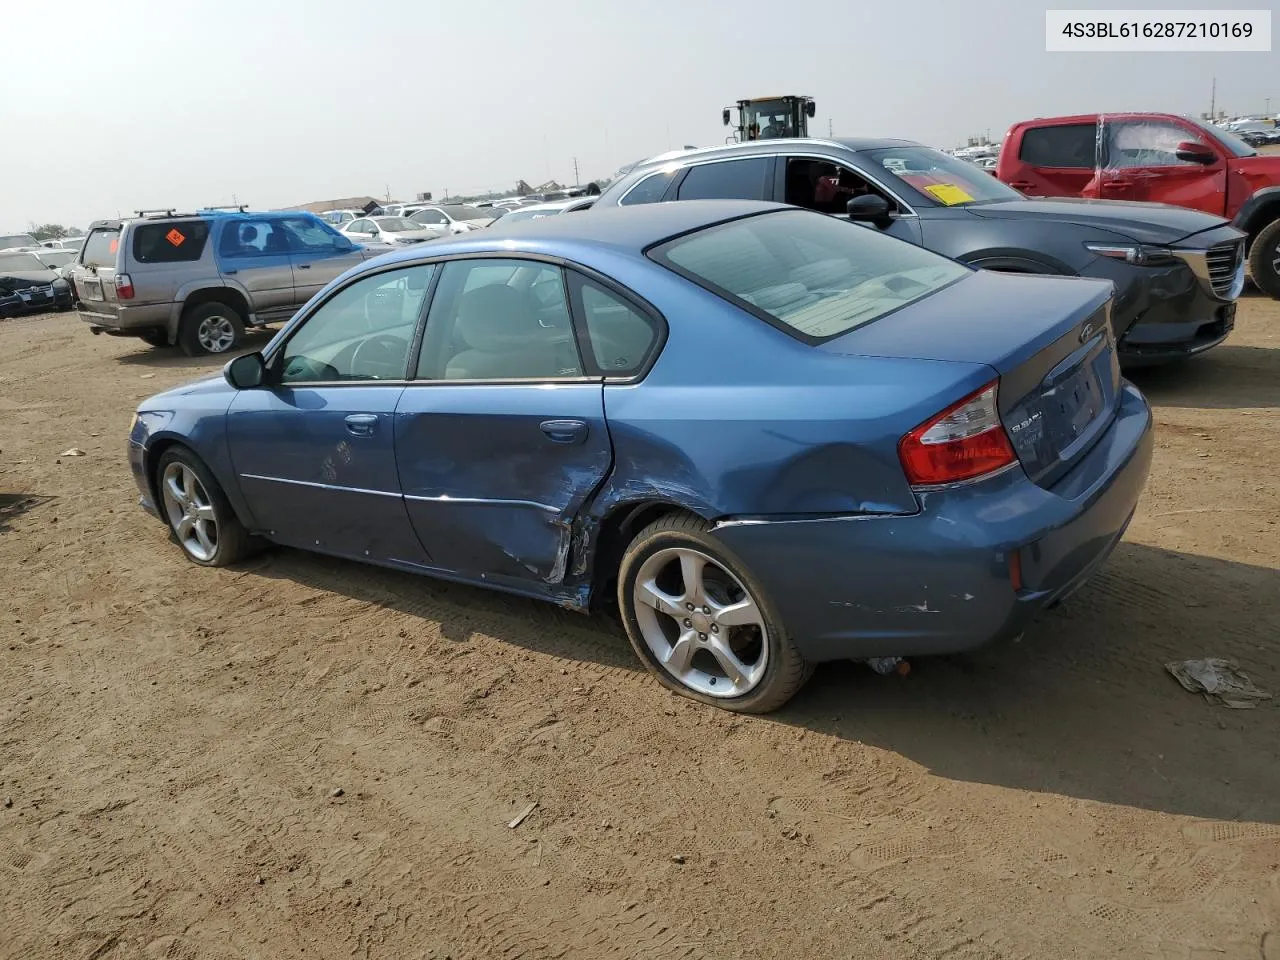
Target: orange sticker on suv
175, 237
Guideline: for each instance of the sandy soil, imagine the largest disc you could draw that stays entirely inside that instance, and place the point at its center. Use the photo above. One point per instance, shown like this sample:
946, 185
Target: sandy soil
172, 739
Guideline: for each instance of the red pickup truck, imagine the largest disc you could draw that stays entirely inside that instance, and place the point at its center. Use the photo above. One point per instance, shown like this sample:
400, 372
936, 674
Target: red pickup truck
1156, 157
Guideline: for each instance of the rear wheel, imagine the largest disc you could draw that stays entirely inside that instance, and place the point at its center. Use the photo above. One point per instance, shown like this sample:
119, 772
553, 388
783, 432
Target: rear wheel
198, 512
700, 622
156, 337
1264, 259
210, 328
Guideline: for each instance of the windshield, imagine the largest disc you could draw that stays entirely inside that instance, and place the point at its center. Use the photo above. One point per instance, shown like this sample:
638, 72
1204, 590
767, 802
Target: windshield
815, 276
396, 224
463, 212
18, 240
20, 262
941, 178
58, 258
1228, 140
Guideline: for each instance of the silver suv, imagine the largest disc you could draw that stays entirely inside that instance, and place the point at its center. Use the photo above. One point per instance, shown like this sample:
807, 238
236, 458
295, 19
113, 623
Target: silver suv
198, 280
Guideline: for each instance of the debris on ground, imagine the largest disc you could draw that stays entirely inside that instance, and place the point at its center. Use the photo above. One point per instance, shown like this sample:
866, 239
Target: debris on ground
1219, 680
523, 815
73, 452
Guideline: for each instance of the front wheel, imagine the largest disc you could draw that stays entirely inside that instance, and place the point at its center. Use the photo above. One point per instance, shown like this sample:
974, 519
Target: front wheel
700, 622
1264, 259
198, 512
210, 328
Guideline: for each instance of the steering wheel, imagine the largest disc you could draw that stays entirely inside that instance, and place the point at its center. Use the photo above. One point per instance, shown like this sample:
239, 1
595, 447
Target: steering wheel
383, 352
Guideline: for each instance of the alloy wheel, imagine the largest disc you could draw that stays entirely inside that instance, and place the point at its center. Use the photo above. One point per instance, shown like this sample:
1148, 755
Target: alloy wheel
216, 334
700, 622
190, 511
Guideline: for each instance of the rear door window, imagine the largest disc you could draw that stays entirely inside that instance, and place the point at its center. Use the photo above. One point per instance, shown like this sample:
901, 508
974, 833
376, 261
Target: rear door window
650, 189
170, 242
100, 249
730, 180
1070, 145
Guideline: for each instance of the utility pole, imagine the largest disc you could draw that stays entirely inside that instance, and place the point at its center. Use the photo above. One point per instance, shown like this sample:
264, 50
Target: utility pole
235, 201
1213, 100
388, 189
829, 133
576, 181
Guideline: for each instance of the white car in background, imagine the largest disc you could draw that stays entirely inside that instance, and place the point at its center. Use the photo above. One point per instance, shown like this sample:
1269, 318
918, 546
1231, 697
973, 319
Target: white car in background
59, 260
65, 243
454, 217
536, 210
337, 218
396, 230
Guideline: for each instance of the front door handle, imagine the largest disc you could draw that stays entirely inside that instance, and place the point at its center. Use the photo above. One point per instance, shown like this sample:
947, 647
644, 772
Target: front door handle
231, 271
1021, 184
362, 424
564, 431
304, 266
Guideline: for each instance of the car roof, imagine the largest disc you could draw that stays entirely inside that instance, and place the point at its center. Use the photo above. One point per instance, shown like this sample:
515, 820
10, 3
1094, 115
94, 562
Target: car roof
628, 230
787, 145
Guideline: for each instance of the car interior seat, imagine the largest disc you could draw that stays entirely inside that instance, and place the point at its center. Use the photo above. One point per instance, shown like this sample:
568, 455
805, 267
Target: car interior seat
502, 338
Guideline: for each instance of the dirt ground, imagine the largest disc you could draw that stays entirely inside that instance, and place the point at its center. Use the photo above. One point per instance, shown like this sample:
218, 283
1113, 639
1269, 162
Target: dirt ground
173, 740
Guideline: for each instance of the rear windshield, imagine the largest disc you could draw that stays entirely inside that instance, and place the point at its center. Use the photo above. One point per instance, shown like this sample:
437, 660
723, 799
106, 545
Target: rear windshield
814, 276
397, 224
58, 258
100, 249
463, 212
18, 240
170, 242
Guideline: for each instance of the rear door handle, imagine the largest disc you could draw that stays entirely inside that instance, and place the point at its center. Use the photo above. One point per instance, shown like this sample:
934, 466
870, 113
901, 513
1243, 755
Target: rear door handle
362, 424
1021, 184
304, 266
1118, 182
564, 431
230, 271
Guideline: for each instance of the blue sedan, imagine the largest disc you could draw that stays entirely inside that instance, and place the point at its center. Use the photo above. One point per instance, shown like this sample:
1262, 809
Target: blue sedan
774, 437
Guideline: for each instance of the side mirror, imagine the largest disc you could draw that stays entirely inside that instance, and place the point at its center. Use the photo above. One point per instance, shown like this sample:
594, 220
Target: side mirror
247, 372
724, 115
810, 109
869, 208
1190, 151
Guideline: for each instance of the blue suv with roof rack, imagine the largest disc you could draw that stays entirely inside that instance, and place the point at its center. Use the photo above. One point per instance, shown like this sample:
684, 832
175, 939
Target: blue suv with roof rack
200, 279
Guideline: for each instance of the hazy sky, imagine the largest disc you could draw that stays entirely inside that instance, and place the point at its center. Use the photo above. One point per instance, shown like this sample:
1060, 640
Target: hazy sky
108, 106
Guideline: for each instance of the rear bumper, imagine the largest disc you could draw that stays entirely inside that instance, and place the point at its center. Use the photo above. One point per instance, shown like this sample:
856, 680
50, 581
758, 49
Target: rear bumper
127, 320
938, 581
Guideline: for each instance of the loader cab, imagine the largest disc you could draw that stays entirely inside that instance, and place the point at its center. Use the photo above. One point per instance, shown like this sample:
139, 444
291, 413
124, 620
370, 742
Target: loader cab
771, 118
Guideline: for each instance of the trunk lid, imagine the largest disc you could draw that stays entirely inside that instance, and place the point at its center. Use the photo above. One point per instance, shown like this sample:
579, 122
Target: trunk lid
1049, 338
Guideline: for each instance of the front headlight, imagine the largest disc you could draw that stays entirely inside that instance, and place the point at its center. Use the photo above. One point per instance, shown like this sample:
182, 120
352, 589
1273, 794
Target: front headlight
1137, 253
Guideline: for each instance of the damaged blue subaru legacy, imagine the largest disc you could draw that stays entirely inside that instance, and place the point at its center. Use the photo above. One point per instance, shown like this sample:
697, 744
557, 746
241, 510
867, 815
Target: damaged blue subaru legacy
773, 437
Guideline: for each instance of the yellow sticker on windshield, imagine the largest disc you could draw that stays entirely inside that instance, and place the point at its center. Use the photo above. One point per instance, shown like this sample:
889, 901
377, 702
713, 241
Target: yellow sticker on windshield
948, 193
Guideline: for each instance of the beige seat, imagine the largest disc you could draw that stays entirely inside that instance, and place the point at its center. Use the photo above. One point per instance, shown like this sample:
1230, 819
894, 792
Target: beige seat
501, 338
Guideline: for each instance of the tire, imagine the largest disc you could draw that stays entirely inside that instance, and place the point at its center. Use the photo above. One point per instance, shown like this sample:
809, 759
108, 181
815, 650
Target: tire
1264, 259
155, 337
199, 516
690, 654
210, 328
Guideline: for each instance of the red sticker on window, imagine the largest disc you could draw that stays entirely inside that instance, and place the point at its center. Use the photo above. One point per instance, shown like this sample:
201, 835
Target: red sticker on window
174, 237
115, 245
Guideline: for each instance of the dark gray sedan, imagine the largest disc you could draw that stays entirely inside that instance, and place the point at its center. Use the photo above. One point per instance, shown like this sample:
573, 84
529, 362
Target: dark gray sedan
1177, 272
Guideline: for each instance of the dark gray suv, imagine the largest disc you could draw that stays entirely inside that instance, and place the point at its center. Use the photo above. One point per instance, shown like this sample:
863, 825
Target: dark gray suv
1177, 272
200, 279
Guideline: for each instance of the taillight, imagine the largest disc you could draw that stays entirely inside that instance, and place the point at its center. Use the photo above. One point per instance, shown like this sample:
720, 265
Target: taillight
963, 442
124, 287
